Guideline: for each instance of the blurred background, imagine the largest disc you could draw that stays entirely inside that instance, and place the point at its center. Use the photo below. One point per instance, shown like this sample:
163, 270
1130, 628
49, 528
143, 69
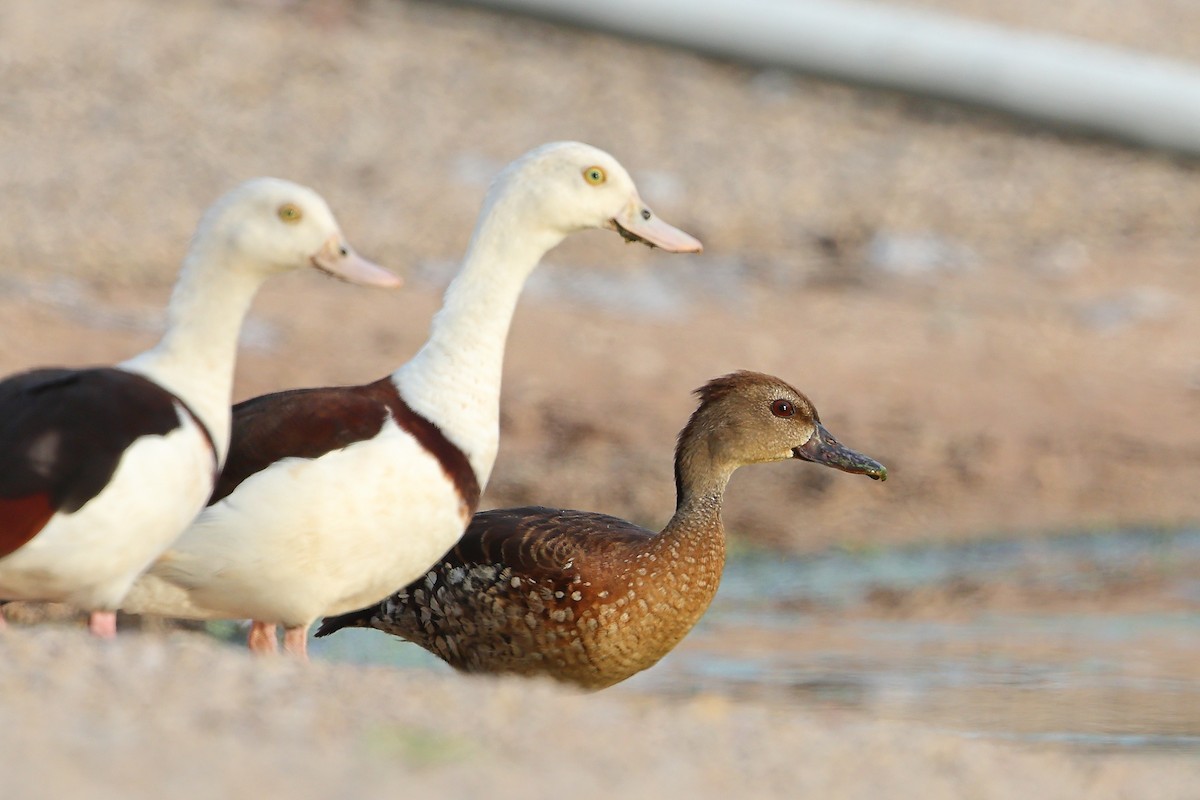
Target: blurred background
1003, 311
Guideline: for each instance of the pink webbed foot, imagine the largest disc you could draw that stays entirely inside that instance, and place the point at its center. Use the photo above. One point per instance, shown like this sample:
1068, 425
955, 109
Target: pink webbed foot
295, 642
103, 624
262, 639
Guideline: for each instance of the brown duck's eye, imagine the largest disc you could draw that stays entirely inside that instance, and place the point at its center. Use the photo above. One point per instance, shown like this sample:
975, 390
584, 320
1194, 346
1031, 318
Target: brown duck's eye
290, 212
783, 408
594, 175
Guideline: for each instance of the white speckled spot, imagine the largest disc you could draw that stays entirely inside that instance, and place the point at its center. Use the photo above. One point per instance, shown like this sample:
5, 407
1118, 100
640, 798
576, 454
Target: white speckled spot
576, 596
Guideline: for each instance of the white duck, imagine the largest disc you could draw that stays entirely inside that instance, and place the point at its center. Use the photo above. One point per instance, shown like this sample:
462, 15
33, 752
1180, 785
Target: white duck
333, 498
101, 469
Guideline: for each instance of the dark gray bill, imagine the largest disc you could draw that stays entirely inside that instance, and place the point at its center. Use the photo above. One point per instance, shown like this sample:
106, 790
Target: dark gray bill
822, 448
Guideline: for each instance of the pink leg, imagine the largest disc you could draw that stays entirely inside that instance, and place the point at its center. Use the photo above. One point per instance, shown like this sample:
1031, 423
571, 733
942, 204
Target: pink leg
262, 639
295, 641
103, 624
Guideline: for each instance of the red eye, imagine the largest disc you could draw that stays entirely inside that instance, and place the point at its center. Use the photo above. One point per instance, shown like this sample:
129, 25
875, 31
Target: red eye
783, 408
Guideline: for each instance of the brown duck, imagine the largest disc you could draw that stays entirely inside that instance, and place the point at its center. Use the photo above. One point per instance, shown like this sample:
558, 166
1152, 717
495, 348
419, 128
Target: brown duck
590, 599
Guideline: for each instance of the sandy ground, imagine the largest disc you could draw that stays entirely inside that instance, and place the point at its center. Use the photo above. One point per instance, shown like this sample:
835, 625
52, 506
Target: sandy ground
180, 717
1009, 318
139, 726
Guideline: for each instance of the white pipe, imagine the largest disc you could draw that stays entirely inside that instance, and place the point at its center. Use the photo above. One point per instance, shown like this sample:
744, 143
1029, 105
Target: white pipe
1068, 82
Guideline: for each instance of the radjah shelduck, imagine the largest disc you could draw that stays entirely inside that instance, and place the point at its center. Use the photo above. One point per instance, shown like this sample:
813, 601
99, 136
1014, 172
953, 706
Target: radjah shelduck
591, 599
334, 497
102, 468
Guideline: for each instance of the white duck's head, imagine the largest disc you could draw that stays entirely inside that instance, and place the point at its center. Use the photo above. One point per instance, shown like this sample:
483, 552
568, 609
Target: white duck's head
267, 226
570, 186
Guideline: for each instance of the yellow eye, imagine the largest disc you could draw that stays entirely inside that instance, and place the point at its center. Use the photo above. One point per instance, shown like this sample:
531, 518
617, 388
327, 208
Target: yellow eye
594, 175
289, 212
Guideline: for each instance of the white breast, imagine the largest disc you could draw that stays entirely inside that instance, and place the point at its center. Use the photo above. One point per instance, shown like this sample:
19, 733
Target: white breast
91, 557
308, 537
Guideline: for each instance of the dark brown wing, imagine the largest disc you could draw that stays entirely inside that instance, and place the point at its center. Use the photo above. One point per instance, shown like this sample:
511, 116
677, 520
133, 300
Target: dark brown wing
301, 423
548, 547
308, 423
62, 434
543, 543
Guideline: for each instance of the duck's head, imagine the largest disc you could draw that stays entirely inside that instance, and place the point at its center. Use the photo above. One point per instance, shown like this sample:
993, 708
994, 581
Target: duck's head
570, 186
751, 418
268, 226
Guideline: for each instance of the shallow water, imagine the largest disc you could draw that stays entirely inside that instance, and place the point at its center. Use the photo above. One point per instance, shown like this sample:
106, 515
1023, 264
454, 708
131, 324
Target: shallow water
1089, 640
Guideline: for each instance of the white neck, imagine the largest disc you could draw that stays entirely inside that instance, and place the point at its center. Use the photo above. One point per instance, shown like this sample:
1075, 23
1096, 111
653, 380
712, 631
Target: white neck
454, 380
195, 357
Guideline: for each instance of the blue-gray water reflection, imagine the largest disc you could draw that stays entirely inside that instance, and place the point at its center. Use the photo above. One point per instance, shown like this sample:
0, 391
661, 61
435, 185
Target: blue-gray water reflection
1088, 640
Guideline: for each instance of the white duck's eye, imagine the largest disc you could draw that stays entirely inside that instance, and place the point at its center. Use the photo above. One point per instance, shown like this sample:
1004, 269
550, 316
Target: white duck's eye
783, 408
290, 212
594, 175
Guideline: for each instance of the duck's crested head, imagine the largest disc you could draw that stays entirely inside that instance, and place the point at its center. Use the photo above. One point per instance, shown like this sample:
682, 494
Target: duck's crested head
750, 417
270, 225
571, 186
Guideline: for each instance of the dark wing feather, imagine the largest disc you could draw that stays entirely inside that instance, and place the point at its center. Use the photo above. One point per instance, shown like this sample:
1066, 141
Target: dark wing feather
543, 542
546, 546
62, 435
301, 423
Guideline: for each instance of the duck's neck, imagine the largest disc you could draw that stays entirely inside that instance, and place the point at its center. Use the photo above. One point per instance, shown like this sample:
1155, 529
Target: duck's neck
454, 380
696, 529
693, 541
195, 357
